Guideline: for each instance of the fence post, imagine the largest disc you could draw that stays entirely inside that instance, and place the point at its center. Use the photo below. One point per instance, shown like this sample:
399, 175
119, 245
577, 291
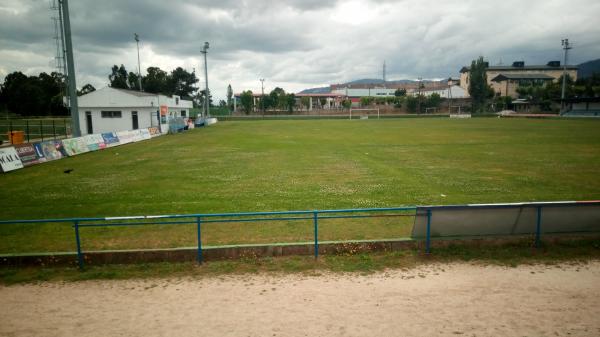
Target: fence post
199, 237
538, 227
10, 135
42, 129
54, 129
27, 129
316, 223
428, 237
66, 133
78, 242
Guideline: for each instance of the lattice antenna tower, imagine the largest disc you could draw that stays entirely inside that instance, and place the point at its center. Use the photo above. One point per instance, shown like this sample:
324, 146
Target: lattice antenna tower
60, 60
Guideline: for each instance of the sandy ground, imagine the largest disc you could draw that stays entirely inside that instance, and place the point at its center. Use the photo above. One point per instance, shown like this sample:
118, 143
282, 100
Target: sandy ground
436, 300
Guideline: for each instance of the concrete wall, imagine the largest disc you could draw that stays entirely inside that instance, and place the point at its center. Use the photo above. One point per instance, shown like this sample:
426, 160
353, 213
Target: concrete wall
146, 119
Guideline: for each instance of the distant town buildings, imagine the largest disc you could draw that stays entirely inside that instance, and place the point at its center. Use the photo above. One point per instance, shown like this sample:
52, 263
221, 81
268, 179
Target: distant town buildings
504, 80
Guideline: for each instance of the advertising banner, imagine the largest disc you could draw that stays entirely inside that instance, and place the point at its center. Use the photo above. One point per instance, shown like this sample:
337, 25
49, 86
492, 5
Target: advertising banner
145, 134
136, 135
154, 131
124, 137
27, 154
95, 142
49, 150
75, 146
9, 159
110, 139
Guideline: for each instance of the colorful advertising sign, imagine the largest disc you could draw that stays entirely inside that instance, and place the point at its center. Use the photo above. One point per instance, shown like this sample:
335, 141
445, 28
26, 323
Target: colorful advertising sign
9, 159
49, 150
154, 131
110, 139
124, 137
145, 134
75, 146
94, 142
27, 154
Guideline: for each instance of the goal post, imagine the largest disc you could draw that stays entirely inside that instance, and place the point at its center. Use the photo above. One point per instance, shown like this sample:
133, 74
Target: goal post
357, 111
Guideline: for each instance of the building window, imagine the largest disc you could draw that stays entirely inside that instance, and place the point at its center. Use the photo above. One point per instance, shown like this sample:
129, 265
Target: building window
183, 113
111, 114
176, 100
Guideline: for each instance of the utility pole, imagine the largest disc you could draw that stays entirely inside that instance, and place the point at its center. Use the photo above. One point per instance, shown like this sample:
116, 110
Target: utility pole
206, 93
566, 47
384, 79
72, 88
419, 96
137, 41
262, 97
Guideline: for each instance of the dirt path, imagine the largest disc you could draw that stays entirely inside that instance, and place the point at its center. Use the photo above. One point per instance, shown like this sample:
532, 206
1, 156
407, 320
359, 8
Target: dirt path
457, 299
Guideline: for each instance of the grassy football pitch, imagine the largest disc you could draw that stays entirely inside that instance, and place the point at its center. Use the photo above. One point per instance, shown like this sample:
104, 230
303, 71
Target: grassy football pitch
299, 165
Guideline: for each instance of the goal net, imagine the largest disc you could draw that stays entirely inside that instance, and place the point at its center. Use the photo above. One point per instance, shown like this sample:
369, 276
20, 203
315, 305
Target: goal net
363, 113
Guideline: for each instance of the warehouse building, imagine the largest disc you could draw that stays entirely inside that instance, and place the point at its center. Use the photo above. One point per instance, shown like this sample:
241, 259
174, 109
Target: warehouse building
110, 109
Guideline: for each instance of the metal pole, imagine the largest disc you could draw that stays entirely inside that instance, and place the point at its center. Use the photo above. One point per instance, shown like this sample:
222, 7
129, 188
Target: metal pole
207, 95
316, 223
10, 132
428, 237
42, 129
262, 98
566, 47
27, 129
66, 131
137, 41
71, 69
78, 242
199, 237
54, 129
538, 227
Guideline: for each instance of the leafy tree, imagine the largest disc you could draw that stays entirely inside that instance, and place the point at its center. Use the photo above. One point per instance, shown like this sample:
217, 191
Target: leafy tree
322, 101
366, 101
278, 99
86, 89
290, 102
132, 81
118, 77
222, 103
434, 100
181, 82
247, 101
411, 103
479, 90
400, 92
156, 81
305, 101
346, 104
33, 95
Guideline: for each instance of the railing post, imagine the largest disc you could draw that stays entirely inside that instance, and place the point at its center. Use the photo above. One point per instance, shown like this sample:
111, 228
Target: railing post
54, 129
78, 242
199, 237
316, 223
10, 131
42, 129
428, 237
538, 227
27, 129
66, 133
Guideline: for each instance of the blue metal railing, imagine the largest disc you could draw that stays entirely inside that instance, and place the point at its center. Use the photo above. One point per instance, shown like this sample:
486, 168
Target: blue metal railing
200, 218
315, 215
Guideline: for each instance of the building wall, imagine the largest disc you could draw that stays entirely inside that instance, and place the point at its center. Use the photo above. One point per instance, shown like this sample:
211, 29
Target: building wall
555, 73
360, 92
146, 118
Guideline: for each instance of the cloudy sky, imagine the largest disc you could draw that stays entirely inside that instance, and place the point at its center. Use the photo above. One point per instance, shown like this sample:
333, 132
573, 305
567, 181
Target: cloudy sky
298, 44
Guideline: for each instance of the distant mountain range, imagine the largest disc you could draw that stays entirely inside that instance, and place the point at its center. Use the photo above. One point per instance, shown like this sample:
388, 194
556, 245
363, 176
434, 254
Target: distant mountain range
586, 69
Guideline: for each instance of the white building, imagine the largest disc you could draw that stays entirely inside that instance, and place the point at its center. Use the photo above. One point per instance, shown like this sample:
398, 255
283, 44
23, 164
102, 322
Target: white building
453, 91
365, 92
109, 109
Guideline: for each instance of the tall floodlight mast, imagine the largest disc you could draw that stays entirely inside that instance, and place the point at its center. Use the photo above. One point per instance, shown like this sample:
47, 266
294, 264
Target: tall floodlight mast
206, 93
566, 47
137, 41
72, 88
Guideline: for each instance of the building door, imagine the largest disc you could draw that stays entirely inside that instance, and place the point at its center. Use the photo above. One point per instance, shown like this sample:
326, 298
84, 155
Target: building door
134, 120
88, 122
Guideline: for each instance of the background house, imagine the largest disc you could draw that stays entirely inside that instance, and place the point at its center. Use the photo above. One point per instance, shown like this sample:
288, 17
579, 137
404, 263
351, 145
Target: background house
109, 109
518, 72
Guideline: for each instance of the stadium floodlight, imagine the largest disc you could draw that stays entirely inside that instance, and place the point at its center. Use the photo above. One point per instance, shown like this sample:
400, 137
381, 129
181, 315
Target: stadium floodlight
262, 97
566, 46
206, 92
136, 37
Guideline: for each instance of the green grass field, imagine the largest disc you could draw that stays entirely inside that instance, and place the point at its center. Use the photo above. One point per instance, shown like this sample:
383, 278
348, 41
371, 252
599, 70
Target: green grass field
298, 165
